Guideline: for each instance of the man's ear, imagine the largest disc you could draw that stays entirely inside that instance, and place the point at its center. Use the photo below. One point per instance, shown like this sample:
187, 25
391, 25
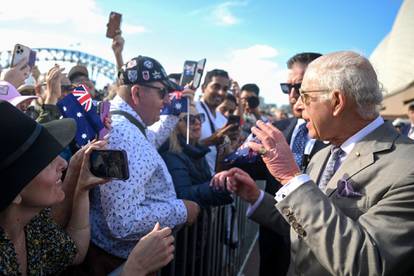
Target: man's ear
203, 86
17, 199
135, 94
338, 102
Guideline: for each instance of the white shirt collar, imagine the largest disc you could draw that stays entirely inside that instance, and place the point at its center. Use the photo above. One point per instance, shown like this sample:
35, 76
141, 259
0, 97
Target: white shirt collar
349, 144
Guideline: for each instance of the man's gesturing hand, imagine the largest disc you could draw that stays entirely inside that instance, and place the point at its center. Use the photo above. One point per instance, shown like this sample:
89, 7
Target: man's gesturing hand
275, 152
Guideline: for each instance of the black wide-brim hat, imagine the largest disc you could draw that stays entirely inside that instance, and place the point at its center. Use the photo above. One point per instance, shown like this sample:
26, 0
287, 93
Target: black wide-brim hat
27, 148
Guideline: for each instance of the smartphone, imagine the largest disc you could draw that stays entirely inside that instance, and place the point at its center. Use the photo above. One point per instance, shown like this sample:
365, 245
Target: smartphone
193, 71
22, 52
188, 72
109, 164
114, 24
103, 110
233, 119
199, 73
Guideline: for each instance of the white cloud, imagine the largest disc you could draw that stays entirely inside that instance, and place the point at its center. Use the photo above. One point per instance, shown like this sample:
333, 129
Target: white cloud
223, 15
256, 64
81, 15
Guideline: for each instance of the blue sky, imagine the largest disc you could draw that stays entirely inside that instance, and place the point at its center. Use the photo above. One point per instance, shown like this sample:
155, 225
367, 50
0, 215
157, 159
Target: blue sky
250, 39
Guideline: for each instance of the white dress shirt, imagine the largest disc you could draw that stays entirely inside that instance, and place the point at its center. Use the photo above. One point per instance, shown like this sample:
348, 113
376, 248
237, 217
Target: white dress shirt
411, 132
218, 121
124, 211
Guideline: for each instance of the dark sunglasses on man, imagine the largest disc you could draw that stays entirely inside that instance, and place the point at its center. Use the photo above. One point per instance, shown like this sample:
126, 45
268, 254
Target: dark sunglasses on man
193, 117
162, 92
287, 87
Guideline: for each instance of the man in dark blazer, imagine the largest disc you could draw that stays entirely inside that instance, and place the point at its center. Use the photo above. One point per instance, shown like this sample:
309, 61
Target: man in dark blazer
408, 129
275, 248
352, 213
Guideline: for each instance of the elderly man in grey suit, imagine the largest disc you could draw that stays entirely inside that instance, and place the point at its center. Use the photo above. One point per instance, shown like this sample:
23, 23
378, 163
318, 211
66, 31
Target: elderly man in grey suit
352, 213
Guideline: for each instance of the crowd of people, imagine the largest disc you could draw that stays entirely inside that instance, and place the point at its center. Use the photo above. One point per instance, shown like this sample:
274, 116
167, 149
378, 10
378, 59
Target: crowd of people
339, 178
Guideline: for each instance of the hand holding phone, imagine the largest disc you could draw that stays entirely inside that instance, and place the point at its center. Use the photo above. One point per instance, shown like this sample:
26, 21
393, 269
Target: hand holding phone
109, 164
114, 24
17, 75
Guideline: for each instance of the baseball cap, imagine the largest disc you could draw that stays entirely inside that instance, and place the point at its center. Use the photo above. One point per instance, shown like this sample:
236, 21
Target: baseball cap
78, 70
142, 70
9, 93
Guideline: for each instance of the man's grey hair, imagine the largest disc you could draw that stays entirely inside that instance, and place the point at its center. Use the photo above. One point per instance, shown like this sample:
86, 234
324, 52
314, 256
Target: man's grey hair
351, 73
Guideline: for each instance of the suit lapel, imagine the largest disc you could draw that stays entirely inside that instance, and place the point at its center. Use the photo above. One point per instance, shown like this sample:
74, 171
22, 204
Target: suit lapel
317, 165
362, 155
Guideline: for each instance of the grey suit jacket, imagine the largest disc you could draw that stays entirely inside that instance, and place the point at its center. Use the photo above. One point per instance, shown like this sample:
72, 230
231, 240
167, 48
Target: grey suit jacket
372, 234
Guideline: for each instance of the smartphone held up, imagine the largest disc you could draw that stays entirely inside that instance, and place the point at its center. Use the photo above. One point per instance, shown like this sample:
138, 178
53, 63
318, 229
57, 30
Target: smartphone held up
109, 164
192, 72
114, 24
22, 52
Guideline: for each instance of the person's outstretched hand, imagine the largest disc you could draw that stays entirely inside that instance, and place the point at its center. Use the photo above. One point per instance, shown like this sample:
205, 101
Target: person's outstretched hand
53, 84
152, 252
237, 181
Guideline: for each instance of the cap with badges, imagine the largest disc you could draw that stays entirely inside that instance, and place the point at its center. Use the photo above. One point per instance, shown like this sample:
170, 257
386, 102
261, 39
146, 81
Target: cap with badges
142, 70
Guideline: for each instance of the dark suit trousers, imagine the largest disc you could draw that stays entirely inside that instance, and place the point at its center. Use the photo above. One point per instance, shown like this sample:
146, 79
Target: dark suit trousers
274, 248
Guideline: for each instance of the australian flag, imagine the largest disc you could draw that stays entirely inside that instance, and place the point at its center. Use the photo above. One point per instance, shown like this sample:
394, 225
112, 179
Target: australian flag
79, 106
178, 104
243, 154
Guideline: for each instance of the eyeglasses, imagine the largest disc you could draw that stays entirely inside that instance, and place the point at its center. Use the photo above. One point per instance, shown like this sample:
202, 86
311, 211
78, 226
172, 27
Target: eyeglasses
162, 92
287, 87
305, 98
193, 117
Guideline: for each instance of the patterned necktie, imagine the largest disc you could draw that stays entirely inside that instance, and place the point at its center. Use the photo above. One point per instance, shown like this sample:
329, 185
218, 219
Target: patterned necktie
299, 143
331, 166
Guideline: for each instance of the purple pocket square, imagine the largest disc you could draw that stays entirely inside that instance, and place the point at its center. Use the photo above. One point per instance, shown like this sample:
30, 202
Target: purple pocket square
345, 189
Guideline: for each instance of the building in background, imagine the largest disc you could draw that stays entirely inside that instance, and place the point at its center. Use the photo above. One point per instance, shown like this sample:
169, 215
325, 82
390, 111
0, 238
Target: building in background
393, 59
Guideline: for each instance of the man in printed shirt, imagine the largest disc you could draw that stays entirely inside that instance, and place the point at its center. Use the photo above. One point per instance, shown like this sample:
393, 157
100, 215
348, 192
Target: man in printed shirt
124, 211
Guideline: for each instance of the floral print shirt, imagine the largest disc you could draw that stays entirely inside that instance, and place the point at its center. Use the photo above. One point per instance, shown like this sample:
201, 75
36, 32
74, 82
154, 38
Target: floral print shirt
49, 249
122, 211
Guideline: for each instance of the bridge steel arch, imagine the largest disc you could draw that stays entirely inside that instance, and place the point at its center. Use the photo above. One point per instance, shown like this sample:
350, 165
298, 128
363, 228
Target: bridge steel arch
96, 65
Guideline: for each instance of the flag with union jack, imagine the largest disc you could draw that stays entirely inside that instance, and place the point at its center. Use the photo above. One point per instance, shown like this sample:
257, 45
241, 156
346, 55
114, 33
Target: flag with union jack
178, 104
84, 98
79, 106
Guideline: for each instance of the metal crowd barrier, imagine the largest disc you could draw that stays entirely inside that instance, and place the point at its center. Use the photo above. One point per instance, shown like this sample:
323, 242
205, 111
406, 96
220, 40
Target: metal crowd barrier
217, 244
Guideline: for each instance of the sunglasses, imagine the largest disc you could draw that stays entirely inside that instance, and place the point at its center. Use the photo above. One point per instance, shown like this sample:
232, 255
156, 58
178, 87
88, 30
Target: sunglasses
287, 87
162, 92
200, 117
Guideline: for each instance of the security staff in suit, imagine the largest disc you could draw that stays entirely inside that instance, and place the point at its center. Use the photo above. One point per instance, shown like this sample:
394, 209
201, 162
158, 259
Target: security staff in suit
409, 128
274, 248
352, 213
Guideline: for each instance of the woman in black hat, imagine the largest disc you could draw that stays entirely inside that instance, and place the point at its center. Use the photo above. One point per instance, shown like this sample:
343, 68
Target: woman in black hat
31, 243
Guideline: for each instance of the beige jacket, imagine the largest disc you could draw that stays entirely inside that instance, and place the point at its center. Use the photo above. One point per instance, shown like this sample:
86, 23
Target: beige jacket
372, 234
